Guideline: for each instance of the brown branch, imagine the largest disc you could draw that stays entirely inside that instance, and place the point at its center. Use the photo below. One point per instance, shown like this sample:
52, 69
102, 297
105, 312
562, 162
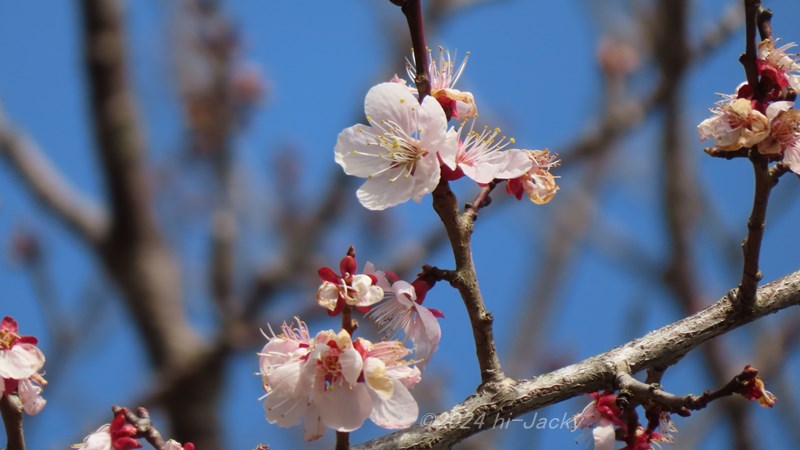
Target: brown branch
756, 224
656, 349
459, 230
749, 57
11, 410
412, 9
86, 219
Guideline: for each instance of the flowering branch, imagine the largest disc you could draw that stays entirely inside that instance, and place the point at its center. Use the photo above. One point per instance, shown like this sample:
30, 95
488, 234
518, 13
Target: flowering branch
11, 409
656, 349
143, 424
633, 390
749, 57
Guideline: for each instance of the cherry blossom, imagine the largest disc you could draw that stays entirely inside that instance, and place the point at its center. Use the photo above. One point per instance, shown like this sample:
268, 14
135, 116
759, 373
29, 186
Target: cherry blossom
482, 158
755, 389
601, 416
175, 445
331, 381
398, 152
20, 363
444, 75
538, 183
118, 435
403, 309
734, 125
359, 290
777, 68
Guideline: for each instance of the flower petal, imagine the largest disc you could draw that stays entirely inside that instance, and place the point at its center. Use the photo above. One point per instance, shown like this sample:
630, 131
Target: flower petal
392, 102
398, 411
20, 361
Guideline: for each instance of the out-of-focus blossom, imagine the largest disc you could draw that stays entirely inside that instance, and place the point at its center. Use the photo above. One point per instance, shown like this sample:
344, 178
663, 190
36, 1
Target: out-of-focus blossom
333, 382
99, 440
481, 156
538, 183
359, 290
398, 152
734, 125
443, 78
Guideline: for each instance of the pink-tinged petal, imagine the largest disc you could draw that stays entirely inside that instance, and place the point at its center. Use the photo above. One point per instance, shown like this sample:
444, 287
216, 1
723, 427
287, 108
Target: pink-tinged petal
391, 102
587, 418
287, 400
21, 361
604, 437
313, 428
99, 440
426, 334
351, 363
515, 164
480, 171
30, 395
409, 376
343, 408
277, 351
778, 107
792, 159
398, 411
381, 192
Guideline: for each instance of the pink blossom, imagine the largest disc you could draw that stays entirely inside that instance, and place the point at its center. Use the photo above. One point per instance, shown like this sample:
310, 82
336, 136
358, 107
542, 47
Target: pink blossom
538, 183
348, 287
481, 157
331, 381
443, 78
20, 362
403, 309
398, 152
734, 125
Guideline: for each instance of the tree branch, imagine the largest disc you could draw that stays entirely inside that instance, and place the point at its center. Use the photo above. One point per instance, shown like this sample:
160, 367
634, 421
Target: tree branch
86, 219
11, 410
658, 348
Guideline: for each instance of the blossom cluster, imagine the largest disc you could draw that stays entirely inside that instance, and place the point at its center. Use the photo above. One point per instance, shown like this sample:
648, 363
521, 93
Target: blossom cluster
604, 418
333, 380
20, 364
408, 148
122, 435
767, 123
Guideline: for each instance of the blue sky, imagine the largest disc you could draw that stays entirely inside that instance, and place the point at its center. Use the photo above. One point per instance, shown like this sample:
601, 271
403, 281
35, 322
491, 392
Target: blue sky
533, 72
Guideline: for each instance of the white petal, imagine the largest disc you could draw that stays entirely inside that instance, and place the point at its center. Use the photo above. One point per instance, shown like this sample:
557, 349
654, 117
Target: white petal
287, 401
351, 363
30, 394
398, 411
433, 127
357, 151
379, 193
515, 164
426, 177
392, 102
377, 378
313, 428
777, 108
604, 437
426, 334
99, 440
792, 158
21, 361
343, 408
